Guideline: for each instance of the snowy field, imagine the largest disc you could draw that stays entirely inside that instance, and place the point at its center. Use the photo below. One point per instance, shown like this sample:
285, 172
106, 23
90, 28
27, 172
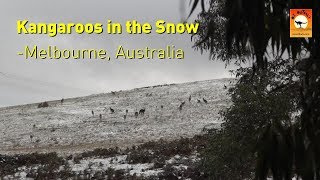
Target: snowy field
102, 168
70, 127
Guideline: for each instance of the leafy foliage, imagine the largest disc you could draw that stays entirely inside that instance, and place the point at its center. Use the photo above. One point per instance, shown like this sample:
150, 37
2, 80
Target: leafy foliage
251, 26
260, 103
211, 35
261, 27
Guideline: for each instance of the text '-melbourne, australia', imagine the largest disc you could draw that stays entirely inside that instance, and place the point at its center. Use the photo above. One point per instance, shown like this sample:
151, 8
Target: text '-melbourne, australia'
54, 52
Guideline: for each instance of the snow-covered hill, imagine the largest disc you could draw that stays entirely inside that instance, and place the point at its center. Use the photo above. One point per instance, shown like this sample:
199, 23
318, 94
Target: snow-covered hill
70, 127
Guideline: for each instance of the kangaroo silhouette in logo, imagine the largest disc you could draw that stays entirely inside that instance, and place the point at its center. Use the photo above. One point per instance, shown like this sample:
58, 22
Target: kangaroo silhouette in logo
300, 23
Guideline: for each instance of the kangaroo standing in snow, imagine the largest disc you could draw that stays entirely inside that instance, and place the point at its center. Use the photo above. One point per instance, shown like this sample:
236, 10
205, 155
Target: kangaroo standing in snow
181, 105
205, 101
112, 110
224, 86
142, 111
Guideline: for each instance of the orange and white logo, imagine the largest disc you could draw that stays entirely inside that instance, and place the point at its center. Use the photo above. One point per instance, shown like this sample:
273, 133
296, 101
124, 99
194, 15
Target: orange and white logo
300, 23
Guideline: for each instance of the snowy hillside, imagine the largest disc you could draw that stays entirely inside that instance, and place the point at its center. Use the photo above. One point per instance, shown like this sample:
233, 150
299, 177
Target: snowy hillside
70, 127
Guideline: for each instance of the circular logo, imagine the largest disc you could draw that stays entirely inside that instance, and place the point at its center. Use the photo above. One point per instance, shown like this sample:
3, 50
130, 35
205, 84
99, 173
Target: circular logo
301, 22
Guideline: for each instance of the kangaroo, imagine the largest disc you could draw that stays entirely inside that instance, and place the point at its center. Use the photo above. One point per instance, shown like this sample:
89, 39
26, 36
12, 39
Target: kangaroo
205, 101
189, 98
100, 116
181, 105
92, 113
142, 111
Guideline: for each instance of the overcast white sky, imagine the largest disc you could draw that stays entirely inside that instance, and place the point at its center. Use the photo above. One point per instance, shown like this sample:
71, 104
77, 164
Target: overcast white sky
23, 81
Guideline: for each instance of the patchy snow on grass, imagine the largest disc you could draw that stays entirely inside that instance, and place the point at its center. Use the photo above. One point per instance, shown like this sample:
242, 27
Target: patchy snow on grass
70, 127
119, 162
